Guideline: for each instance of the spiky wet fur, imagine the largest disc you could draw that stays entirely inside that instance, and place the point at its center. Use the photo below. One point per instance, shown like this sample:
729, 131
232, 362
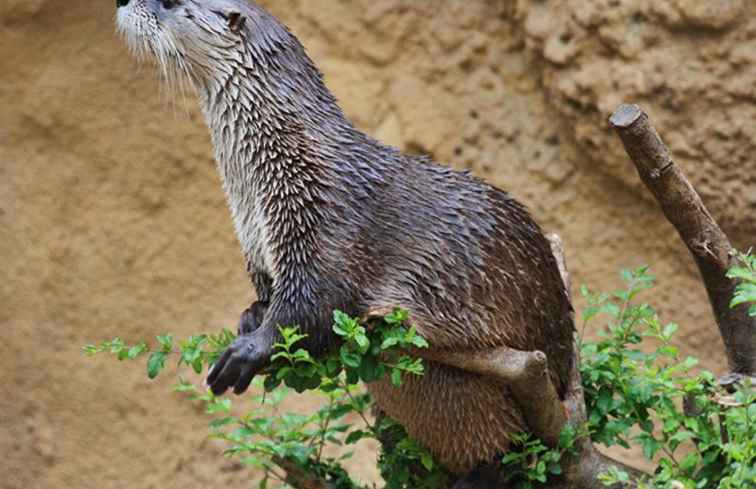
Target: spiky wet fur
329, 218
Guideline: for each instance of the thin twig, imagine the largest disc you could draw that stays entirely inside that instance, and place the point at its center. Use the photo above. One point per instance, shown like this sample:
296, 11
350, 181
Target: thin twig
362, 415
324, 429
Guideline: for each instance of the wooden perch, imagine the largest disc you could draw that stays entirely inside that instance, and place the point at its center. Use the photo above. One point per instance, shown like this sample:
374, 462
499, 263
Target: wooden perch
709, 246
574, 401
526, 374
581, 471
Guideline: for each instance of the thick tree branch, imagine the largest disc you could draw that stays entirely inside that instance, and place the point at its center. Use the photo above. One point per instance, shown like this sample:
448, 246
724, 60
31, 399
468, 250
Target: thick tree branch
709, 246
574, 401
526, 374
581, 471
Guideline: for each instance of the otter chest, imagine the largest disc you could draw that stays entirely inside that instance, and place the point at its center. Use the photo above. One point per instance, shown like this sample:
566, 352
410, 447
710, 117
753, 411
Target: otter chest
237, 139
249, 223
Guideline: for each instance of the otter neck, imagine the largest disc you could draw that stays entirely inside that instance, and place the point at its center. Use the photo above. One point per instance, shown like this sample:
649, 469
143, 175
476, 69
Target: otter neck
271, 124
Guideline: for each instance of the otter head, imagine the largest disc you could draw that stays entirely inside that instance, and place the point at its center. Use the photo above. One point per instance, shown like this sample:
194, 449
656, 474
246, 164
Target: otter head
198, 38
250, 72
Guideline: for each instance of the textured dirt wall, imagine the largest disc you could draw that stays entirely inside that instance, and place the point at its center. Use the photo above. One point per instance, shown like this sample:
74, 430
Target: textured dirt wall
692, 64
113, 221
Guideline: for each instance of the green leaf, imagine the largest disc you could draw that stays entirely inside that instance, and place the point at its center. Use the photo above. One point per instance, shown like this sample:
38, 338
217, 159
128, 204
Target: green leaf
363, 343
116, 345
649, 444
396, 377
681, 436
271, 382
389, 342
741, 273
610, 308
689, 363
669, 351
567, 437
221, 422
155, 363
744, 295
370, 369
589, 312
343, 324
137, 350
349, 358
282, 372
166, 342
647, 425
689, 462
670, 330
219, 406
352, 376
123, 354
356, 436
604, 400
397, 317
427, 461
512, 457
198, 365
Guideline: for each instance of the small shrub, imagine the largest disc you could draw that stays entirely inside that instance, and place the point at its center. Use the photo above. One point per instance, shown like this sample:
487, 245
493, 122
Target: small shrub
700, 436
265, 436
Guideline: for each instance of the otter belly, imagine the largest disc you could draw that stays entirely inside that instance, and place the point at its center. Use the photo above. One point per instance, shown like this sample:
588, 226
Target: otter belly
462, 418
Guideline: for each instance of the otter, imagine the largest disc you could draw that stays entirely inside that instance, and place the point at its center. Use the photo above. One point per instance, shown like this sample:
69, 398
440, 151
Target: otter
329, 218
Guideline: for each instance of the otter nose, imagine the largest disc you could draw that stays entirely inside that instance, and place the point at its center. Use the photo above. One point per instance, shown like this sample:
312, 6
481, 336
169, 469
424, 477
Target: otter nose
122, 3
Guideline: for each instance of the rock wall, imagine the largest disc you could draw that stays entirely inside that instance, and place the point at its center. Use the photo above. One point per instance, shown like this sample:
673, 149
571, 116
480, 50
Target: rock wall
691, 64
114, 222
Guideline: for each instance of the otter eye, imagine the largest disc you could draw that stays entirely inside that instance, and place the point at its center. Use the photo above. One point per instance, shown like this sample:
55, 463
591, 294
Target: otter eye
169, 4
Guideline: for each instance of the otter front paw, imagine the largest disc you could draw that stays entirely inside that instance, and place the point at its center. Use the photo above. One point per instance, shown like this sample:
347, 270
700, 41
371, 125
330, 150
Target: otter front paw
251, 318
241, 361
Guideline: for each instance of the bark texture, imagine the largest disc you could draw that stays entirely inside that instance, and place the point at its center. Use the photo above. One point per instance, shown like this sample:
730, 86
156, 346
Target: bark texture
710, 247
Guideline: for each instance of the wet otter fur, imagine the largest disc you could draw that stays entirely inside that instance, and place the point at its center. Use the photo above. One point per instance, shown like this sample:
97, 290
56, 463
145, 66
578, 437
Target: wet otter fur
329, 218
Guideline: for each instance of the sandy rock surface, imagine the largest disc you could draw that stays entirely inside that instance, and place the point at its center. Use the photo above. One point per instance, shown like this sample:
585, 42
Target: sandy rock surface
113, 221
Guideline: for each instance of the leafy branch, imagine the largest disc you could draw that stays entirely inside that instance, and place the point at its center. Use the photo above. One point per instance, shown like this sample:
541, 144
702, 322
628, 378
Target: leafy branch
701, 435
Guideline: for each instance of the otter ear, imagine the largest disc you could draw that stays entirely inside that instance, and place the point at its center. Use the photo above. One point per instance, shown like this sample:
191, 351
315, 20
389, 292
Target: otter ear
236, 22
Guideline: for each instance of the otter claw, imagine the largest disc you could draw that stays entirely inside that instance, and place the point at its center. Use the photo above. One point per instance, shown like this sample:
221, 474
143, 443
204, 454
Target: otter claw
239, 364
